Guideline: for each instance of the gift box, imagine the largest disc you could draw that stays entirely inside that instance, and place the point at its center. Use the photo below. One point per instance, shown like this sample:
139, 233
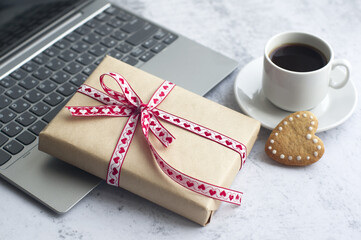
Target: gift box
209, 142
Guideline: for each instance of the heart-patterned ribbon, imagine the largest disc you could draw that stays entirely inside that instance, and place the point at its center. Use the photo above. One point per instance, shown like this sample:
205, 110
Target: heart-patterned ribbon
129, 104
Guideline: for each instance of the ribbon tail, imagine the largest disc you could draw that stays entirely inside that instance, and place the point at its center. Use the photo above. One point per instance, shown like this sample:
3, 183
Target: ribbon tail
120, 151
202, 131
196, 185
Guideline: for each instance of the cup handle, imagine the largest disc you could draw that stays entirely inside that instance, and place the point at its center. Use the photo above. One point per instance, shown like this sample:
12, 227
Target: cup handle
346, 64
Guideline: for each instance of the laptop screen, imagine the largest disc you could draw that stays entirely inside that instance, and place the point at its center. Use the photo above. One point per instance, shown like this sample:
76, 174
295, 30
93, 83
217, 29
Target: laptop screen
20, 19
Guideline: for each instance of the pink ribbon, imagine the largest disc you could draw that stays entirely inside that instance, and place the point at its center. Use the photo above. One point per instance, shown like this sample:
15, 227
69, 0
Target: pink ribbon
128, 104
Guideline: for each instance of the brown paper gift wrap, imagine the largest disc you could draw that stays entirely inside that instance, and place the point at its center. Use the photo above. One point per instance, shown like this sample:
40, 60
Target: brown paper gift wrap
88, 143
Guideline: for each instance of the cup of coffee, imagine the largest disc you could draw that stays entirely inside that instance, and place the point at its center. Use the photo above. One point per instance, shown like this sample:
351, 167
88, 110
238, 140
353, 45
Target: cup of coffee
297, 71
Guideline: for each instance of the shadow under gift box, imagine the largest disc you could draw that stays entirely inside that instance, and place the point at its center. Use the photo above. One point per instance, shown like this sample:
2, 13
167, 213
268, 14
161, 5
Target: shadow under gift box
88, 143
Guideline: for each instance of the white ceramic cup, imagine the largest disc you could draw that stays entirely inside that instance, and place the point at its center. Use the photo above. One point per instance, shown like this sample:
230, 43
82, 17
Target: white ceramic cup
296, 91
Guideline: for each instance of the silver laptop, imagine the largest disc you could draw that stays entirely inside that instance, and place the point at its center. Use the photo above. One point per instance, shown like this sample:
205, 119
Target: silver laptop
47, 50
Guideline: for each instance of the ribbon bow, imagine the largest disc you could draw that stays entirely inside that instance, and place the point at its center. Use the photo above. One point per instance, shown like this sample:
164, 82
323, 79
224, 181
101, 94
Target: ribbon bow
129, 104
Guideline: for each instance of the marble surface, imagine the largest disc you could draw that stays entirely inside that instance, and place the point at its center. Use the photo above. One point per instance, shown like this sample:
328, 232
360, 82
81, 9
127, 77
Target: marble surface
321, 201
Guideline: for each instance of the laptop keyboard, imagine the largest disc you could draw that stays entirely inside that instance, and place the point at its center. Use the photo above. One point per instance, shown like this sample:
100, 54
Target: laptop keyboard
32, 95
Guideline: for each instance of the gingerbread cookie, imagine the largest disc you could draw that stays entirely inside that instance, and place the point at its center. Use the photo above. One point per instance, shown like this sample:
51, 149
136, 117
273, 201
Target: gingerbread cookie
293, 141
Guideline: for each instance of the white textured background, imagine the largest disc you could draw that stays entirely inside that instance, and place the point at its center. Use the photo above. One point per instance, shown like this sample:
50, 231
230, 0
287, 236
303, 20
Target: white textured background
322, 201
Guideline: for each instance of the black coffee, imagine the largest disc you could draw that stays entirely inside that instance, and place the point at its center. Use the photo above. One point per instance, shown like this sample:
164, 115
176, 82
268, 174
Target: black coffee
298, 57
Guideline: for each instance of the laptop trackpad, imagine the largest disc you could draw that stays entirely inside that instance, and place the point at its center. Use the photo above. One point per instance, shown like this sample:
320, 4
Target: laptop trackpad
190, 65
53, 182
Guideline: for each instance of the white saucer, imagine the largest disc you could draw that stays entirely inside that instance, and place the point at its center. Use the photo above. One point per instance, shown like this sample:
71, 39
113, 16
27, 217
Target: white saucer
336, 108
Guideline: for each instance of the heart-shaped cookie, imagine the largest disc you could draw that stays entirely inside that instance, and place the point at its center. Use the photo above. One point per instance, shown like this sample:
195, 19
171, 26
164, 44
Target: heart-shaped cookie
293, 141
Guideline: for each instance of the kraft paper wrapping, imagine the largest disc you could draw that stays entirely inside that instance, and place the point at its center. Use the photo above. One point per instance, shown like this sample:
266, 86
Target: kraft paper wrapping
88, 143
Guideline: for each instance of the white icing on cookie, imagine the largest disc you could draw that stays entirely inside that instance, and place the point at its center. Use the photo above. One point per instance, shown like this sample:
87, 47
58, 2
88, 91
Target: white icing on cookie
308, 136
315, 140
290, 158
274, 151
315, 154
298, 158
282, 156
272, 141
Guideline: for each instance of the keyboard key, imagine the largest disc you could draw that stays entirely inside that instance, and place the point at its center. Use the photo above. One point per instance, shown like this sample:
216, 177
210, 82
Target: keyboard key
47, 86
78, 80
52, 51
130, 60
73, 37
55, 64
141, 35
123, 15
26, 138
53, 99
68, 55
160, 34
103, 17
15, 92
112, 10
146, 56
41, 59
40, 109
85, 59
73, 68
115, 23
115, 54
98, 50
89, 69
26, 119
18, 74
60, 77
3, 139
4, 157
170, 38
133, 25
19, 106
93, 23
104, 30
109, 42
42, 73
30, 66
62, 44
4, 101
7, 82
13, 147
80, 47
66, 89
48, 117
12, 129
37, 127
149, 43
119, 35
83, 30
28, 83
158, 47
124, 47
136, 52
33, 96
7, 115
92, 38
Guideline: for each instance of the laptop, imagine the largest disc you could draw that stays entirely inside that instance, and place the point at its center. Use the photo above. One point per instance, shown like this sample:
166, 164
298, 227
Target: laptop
47, 50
